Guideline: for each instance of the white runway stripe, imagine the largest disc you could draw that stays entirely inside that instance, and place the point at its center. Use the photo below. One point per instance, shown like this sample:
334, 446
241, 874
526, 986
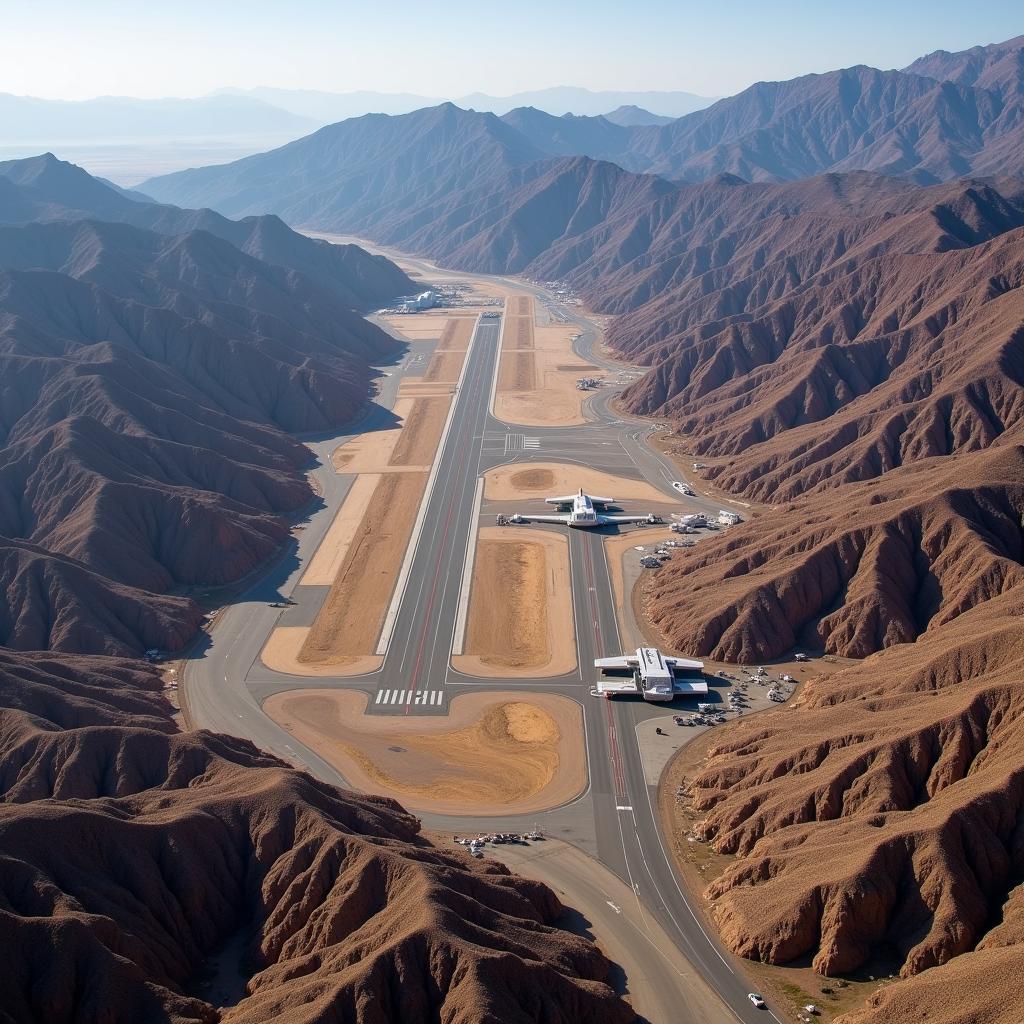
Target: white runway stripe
423, 697
518, 442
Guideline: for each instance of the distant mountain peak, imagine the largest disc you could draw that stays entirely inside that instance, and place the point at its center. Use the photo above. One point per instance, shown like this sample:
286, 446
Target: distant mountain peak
629, 115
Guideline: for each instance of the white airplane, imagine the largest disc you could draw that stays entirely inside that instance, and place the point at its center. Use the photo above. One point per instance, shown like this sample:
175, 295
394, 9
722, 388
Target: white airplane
583, 512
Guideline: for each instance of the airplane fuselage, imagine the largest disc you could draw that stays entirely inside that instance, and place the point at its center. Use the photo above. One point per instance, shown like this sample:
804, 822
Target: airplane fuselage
580, 511
583, 514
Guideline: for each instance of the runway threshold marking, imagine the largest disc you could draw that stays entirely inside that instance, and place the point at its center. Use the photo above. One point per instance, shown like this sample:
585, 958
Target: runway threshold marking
520, 442
431, 697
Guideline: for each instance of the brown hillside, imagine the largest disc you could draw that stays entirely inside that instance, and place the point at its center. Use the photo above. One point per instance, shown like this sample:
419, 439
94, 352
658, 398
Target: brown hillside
883, 812
870, 364
148, 382
139, 855
875, 565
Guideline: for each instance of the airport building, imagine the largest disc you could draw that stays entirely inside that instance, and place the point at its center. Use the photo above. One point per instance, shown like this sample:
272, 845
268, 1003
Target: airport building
653, 676
425, 300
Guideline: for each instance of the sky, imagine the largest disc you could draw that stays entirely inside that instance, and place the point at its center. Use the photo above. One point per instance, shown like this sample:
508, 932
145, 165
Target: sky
72, 49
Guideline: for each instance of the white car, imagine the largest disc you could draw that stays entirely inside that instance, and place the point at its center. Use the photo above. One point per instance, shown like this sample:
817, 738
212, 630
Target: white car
757, 999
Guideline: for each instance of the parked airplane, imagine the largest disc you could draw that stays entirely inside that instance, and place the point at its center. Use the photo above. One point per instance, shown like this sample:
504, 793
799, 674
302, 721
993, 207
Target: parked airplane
582, 511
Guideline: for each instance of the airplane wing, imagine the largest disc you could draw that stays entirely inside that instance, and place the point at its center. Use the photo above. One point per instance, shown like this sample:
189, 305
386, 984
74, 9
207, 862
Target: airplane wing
624, 519
624, 661
602, 501
567, 500
543, 519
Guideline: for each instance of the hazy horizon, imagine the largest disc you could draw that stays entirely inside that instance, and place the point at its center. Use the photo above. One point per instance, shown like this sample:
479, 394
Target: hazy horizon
162, 53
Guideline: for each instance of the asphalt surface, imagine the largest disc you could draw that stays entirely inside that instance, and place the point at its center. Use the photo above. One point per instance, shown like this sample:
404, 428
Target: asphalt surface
615, 820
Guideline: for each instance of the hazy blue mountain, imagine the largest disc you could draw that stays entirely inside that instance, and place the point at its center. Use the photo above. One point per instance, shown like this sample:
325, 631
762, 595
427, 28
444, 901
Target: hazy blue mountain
631, 116
572, 134
363, 173
403, 179
567, 99
328, 107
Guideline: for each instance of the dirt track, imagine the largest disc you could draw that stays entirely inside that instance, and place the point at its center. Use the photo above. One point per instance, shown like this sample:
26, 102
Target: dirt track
520, 610
517, 371
494, 753
330, 555
445, 365
457, 333
371, 452
351, 618
421, 432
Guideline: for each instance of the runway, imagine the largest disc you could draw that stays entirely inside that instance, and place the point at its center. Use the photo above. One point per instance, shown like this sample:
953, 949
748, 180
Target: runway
615, 820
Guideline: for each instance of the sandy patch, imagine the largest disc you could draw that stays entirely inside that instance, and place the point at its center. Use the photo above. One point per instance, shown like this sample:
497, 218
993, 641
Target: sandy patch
371, 452
517, 372
548, 395
324, 565
494, 753
410, 445
533, 480
445, 365
548, 479
281, 654
417, 326
518, 331
457, 333
419, 389
420, 432
520, 607
351, 618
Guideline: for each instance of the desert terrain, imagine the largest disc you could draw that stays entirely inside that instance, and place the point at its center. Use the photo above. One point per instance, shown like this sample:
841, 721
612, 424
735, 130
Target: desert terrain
493, 753
520, 607
822, 278
538, 372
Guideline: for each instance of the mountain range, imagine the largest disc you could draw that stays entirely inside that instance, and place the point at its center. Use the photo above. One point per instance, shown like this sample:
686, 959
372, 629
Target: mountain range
328, 107
378, 172
107, 119
825, 281
140, 860
155, 360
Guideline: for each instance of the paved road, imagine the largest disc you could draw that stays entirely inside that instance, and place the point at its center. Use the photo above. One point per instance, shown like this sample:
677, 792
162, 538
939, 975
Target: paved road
615, 820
